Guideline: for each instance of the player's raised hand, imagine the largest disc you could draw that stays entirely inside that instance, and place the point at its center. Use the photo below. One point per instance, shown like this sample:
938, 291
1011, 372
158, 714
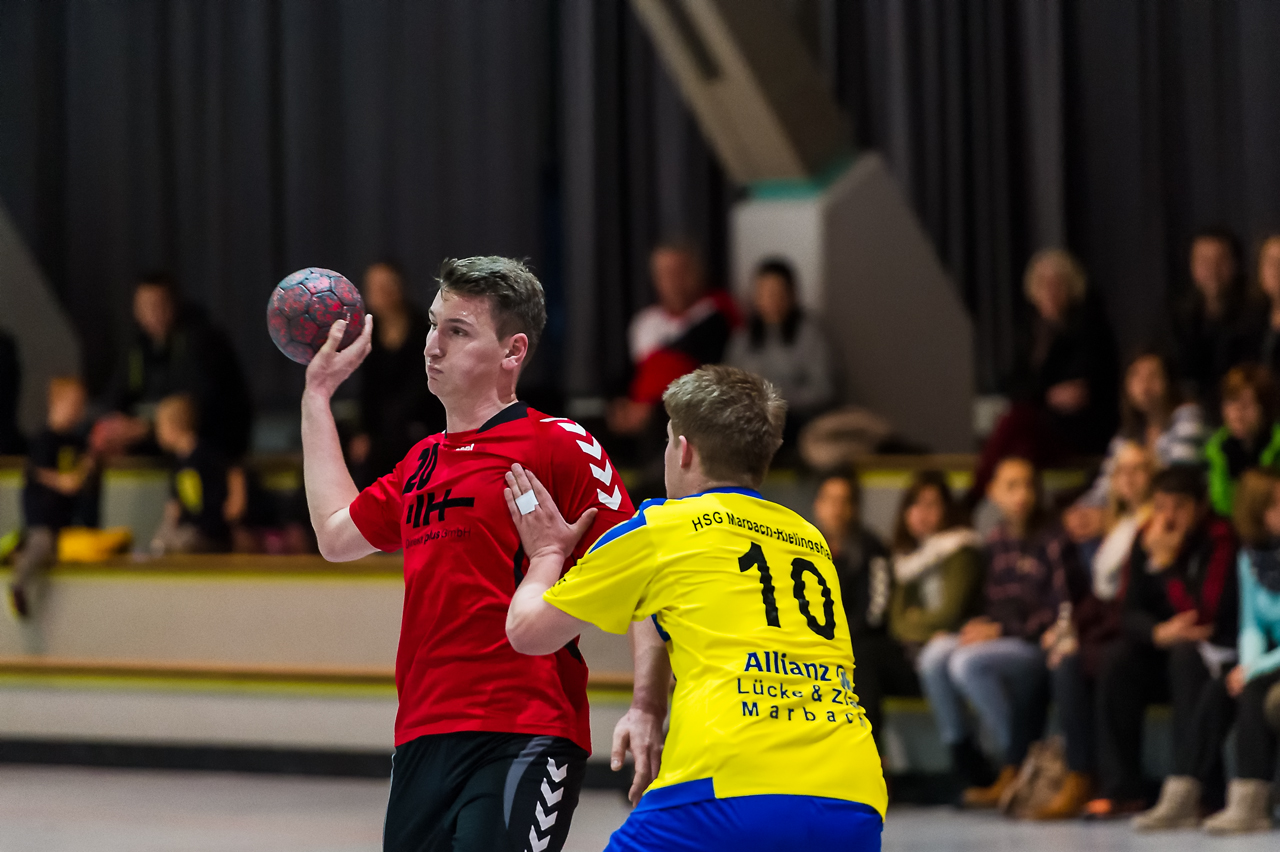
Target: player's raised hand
330, 368
543, 530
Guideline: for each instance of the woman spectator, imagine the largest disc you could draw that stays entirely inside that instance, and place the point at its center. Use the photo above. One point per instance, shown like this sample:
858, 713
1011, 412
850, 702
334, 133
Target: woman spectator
1074, 645
1208, 326
866, 586
783, 344
1249, 436
996, 662
397, 409
1063, 387
1154, 415
937, 575
1257, 522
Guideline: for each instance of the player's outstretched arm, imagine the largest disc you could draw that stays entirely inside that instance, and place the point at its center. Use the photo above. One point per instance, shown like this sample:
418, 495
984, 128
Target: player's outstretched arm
534, 626
330, 488
639, 731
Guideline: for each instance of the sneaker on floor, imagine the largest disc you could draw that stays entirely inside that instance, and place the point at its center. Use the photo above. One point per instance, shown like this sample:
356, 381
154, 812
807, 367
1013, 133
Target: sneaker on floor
1177, 808
989, 797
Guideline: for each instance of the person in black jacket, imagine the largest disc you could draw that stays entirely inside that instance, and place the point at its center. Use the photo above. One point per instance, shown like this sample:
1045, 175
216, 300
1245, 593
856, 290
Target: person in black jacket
1064, 385
866, 585
1209, 327
11, 442
173, 349
397, 409
1179, 620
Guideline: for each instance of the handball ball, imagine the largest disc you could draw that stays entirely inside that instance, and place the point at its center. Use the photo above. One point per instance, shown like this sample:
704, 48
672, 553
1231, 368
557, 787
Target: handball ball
304, 306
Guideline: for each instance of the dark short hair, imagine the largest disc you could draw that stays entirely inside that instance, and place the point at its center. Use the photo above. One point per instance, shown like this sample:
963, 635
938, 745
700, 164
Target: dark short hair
782, 268
516, 299
1185, 480
731, 417
159, 278
849, 476
1221, 234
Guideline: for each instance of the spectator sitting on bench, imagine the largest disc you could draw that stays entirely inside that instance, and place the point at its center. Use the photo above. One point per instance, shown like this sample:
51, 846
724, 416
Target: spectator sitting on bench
1257, 522
866, 585
58, 468
1249, 436
207, 494
937, 582
996, 662
1179, 607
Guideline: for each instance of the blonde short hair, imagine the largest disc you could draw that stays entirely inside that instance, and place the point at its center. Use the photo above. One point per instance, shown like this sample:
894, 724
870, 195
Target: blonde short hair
60, 386
733, 418
1066, 263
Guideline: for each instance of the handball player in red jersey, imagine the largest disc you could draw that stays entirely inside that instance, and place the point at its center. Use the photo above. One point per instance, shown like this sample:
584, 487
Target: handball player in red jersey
491, 746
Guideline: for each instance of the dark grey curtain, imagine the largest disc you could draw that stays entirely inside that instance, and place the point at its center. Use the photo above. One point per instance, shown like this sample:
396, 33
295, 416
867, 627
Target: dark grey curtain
233, 142
965, 100
1114, 128
635, 171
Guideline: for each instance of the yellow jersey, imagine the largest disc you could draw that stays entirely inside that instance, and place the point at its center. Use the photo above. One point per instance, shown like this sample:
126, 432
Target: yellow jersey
745, 595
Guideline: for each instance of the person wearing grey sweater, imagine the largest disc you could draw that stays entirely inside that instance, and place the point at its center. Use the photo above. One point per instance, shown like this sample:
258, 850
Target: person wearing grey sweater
782, 344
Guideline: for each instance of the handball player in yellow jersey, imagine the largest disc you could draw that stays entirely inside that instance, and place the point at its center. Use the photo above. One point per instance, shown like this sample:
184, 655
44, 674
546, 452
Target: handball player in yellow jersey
768, 748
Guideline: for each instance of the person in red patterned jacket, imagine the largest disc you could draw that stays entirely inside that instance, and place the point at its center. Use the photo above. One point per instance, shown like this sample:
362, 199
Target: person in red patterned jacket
491, 746
1179, 616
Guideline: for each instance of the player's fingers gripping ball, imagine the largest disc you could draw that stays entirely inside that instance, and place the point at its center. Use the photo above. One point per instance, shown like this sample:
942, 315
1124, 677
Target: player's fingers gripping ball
305, 305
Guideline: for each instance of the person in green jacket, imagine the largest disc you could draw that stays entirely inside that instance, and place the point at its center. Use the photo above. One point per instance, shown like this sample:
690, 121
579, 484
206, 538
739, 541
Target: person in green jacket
937, 564
1249, 437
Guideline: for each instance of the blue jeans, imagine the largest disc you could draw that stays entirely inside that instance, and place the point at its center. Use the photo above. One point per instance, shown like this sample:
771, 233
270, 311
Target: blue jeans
1001, 679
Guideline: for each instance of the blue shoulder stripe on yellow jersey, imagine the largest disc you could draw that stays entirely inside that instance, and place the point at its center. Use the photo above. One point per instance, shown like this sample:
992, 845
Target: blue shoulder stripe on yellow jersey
632, 524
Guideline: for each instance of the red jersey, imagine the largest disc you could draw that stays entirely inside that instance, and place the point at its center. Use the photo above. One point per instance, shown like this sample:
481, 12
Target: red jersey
455, 669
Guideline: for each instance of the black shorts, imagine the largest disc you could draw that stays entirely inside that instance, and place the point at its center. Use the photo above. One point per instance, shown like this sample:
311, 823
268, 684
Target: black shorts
483, 792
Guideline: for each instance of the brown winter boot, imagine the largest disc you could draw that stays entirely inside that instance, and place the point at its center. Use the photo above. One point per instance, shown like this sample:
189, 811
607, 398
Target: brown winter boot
989, 797
1248, 809
1070, 799
1178, 806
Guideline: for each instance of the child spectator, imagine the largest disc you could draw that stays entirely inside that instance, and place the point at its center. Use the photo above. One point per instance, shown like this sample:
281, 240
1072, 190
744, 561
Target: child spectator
1249, 436
1257, 522
866, 584
783, 344
207, 495
57, 469
1178, 625
1075, 644
937, 573
1153, 415
995, 661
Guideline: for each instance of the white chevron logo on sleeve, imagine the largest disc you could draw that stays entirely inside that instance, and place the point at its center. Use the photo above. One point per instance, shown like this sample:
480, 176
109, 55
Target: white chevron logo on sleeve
552, 798
536, 844
613, 501
593, 449
604, 474
557, 773
544, 819
570, 426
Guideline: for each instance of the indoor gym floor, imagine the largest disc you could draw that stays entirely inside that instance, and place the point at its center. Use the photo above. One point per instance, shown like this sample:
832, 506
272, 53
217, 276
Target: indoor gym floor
60, 809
